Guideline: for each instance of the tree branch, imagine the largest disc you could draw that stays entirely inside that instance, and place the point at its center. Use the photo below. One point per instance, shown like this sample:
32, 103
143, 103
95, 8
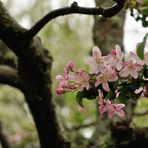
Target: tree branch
8, 75
74, 8
141, 114
34, 68
78, 127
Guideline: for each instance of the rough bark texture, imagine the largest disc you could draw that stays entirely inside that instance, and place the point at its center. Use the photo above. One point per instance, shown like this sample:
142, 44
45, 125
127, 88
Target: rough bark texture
127, 137
34, 71
34, 66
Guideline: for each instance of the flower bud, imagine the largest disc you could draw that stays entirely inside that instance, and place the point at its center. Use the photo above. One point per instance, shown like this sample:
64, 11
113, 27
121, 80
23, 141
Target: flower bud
60, 91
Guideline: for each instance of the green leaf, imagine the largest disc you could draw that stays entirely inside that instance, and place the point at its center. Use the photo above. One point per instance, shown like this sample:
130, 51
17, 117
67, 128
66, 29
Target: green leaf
123, 97
135, 85
90, 94
144, 11
141, 46
109, 95
145, 2
145, 73
79, 98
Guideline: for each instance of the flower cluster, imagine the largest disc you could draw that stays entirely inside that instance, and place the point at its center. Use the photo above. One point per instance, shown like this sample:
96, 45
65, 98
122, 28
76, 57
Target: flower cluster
115, 76
110, 107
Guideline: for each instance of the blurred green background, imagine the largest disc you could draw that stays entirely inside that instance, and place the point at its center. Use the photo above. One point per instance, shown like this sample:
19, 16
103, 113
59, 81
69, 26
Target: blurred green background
67, 38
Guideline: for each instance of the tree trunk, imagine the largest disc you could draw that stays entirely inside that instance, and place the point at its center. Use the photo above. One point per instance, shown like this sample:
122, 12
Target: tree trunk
107, 32
34, 71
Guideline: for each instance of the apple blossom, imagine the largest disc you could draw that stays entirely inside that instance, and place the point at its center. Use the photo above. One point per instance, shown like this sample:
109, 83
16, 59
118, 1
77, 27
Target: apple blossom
108, 106
115, 58
133, 57
108, 75
69, 66
96, 62
82, 79
112, 73
130, 68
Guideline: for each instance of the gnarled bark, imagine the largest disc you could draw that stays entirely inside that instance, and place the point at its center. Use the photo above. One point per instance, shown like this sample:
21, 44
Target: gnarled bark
34, 72
34, 67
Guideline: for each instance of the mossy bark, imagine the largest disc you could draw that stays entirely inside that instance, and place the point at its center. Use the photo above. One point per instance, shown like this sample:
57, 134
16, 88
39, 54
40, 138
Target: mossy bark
34, 68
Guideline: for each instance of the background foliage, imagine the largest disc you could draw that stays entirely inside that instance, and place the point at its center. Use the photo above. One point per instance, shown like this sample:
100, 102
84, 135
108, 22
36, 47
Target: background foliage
67, 38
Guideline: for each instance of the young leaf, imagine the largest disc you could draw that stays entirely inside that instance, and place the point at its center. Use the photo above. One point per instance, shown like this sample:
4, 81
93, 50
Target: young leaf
145, 72
109, 95
123, 97
141, 46
79, 98
90, 94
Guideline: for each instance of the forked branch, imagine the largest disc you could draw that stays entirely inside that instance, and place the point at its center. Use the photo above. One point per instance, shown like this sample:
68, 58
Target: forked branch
9, 76
74, 8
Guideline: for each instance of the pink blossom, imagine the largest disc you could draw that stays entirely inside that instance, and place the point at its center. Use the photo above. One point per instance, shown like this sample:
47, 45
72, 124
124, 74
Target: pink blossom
66, 83
60, 91
116, 109
108, 106
111, 108
101, 102
115, 58
108, 75
63, 80
133, 57
82, 79
96, 62
131, 69
69, 66
102, 108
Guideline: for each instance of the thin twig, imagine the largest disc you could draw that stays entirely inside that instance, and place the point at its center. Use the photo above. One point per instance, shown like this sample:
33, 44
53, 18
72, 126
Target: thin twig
81, 126
141, 114
74, 8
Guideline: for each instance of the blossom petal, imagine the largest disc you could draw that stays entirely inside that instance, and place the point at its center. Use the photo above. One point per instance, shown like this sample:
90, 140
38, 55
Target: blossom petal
139, 90
102, 109
119, 65
96, 52
124, 72
119, 106
110, 114
105, 86
120, 112
59, 77
98, 82
134, 73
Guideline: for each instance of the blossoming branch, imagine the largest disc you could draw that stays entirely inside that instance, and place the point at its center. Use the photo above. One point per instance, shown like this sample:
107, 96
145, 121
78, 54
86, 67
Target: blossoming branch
116, 77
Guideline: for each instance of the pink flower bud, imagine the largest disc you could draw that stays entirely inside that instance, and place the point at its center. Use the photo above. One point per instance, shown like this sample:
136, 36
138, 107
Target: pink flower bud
69, 65
60, 91
64, 83
59, 77
114, 52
